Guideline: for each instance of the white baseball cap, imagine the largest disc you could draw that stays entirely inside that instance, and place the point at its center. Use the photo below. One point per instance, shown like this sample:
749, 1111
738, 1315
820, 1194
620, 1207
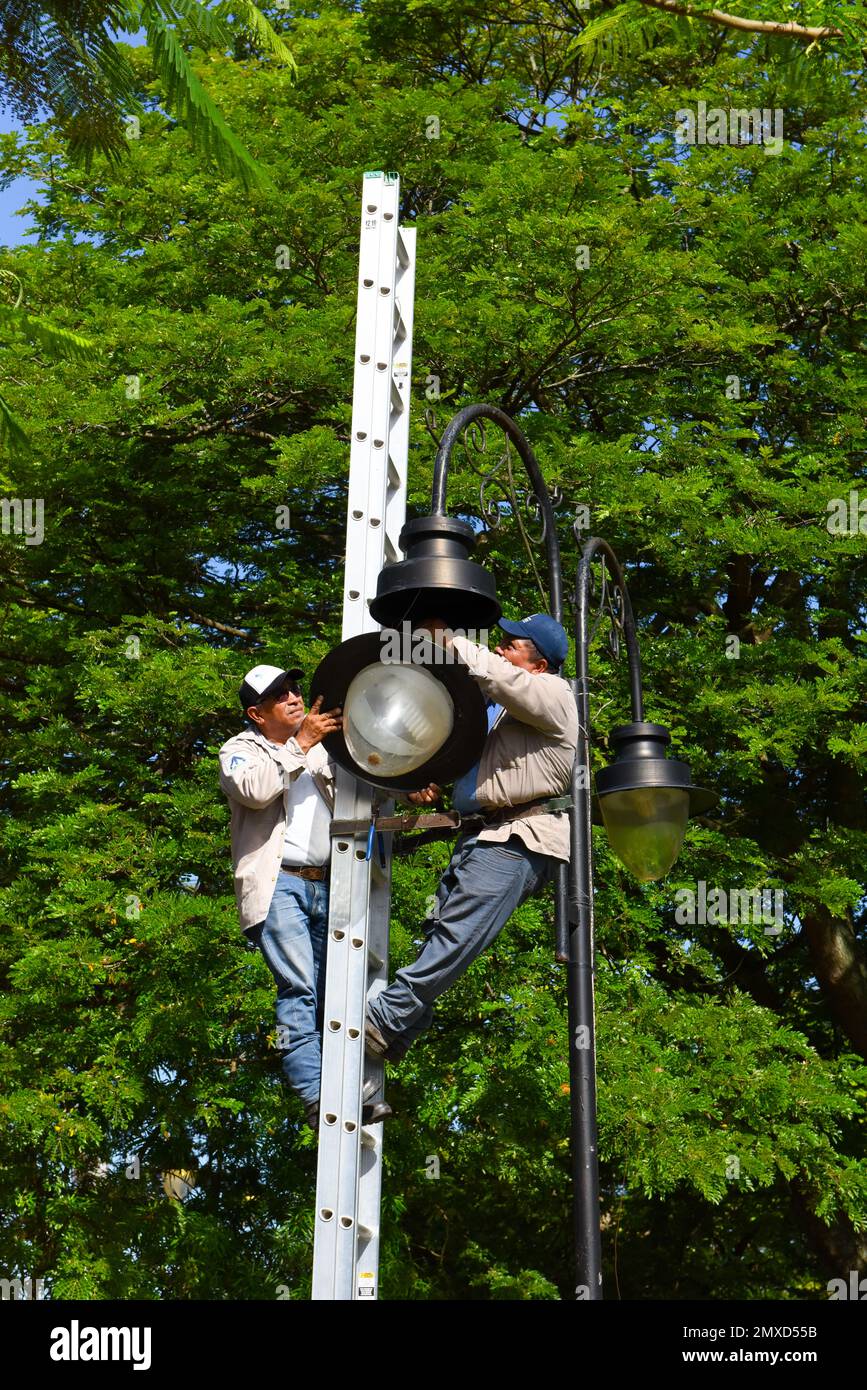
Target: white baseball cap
263, 681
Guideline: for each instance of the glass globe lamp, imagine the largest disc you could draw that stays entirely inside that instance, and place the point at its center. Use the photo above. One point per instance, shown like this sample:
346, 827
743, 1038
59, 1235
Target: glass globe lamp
395, 718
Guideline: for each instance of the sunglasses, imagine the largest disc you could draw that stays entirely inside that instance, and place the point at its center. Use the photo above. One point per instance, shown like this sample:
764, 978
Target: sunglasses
288, 691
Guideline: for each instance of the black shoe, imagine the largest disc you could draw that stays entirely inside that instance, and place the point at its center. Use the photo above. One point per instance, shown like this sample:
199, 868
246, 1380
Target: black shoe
312, 1116
375, 1111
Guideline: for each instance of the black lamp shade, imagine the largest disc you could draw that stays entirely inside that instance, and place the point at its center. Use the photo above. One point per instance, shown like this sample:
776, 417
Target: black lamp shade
645, 800
469, 726
640, 762
437, 579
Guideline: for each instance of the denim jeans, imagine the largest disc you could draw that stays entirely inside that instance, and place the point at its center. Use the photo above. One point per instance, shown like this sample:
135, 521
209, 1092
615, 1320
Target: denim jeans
483, 884
294, 941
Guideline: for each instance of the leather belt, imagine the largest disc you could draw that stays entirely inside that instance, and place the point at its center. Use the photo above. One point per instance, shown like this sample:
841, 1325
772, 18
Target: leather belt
315, 872
453, 820
444, 825
485, 819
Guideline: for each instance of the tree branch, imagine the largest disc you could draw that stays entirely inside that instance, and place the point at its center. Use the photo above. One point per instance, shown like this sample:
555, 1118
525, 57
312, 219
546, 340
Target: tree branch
751, 26
840, 968
219, 627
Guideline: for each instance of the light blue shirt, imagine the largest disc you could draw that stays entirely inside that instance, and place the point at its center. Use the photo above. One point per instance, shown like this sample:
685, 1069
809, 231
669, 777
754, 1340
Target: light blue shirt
464, 792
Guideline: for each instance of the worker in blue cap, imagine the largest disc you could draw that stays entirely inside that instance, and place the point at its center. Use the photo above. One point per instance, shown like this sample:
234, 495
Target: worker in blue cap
514, 838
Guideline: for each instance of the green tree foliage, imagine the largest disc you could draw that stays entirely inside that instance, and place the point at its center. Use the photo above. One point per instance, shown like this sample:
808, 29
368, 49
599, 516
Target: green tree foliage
65, 58
679, 329
619, 29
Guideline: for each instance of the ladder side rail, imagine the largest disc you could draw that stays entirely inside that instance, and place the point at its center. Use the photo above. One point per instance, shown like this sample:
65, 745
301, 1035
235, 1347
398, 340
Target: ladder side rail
343, 1067
370, 1172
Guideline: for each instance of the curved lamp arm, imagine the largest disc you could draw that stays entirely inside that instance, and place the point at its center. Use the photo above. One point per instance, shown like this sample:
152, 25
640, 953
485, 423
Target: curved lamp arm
453, 430
593, 547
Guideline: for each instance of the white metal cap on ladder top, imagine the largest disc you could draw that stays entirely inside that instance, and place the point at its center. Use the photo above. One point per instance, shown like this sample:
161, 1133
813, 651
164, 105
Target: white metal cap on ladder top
349, 1168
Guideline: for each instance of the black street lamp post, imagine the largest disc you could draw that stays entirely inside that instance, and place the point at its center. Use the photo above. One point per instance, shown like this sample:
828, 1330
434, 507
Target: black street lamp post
644, 801
645, 797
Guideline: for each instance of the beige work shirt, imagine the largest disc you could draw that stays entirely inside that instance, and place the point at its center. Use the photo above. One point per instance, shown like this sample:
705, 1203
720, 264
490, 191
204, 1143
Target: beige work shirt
255, 775
530, 751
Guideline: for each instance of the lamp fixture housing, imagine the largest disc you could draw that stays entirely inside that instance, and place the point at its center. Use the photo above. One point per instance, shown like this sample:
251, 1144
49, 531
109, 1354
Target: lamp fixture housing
405, 723
437, 579
645, 800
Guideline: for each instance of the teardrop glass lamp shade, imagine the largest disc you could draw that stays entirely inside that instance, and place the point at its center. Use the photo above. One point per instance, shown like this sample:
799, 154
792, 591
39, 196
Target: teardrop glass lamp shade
645, 827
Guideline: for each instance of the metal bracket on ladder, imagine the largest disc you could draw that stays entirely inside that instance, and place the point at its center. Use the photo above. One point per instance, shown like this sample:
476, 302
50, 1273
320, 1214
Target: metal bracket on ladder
349, 1169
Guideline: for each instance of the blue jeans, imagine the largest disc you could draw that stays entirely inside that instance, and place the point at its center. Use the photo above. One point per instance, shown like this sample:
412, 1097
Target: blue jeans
294, 942
483, 884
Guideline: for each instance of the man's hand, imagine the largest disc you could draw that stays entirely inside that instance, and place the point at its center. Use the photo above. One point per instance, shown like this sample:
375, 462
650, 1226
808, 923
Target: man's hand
318, 725
427, 795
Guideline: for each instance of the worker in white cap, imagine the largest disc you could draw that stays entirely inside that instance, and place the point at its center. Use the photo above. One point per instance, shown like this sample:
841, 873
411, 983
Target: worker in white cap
280, 785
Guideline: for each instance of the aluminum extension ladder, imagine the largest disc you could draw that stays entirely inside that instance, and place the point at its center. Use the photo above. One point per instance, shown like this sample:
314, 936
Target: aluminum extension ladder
349, 1170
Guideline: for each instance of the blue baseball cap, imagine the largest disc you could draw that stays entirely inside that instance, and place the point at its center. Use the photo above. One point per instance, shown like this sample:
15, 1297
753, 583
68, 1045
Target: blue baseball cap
546, 634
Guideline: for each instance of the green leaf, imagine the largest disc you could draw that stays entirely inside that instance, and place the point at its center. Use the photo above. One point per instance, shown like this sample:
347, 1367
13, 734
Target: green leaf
59, 343
13, 436
187, 98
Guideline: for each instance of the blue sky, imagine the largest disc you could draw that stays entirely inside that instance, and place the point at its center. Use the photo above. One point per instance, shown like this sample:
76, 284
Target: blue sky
13, 228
